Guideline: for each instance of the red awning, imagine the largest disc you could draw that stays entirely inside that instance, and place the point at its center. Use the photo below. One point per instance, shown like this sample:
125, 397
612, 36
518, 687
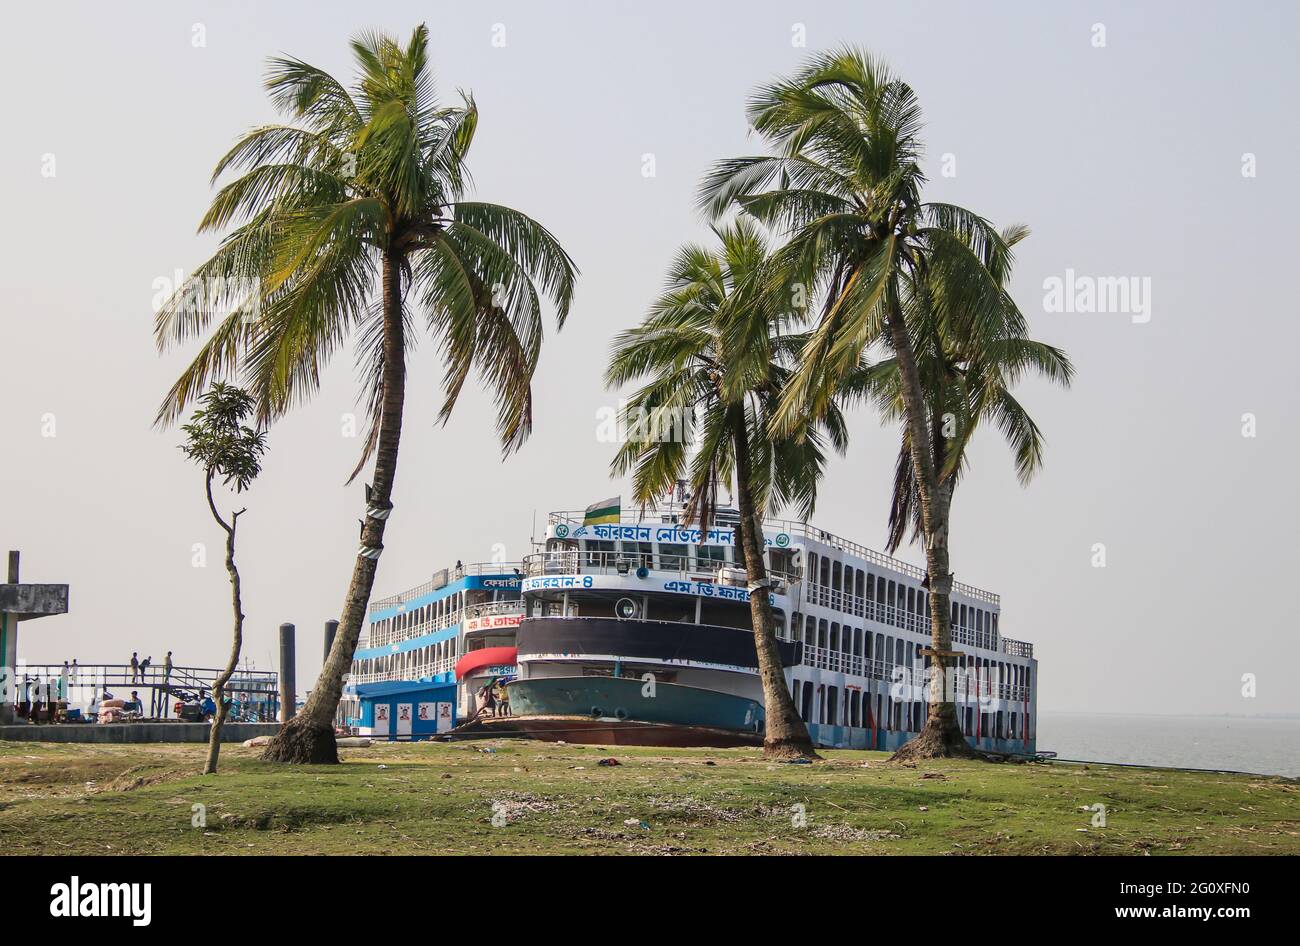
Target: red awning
486, 657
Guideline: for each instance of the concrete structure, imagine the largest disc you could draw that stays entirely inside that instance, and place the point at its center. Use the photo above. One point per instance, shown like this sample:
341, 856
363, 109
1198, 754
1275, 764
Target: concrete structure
20, 602
135, 732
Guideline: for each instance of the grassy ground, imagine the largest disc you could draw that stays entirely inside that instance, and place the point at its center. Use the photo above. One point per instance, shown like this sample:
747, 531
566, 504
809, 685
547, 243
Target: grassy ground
557, 799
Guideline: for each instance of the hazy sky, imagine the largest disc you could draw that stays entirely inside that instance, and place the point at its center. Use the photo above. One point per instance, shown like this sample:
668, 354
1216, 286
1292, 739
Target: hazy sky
1126, 159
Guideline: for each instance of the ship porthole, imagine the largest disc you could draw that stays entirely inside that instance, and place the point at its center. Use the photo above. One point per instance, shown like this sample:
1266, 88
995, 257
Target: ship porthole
595, 711
620, 713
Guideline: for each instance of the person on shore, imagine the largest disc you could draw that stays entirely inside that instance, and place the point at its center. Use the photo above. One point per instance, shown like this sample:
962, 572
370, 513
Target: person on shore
167, 668
503, 699
144, 668
489, 700
135, 667
134, 703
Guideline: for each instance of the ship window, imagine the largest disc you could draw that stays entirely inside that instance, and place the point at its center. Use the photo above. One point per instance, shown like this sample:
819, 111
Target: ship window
835, 636
709, 557
596, 552
674, 558
725, 614
796, 626
678, 608
825, 578
810, 630
637, 554
812, 568
782, 560
836, 576
821, 633
857, 642
911, 600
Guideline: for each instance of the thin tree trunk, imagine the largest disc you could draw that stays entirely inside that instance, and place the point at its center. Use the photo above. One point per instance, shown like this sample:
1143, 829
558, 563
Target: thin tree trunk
309, 736
785, 735
941, 735
219, 685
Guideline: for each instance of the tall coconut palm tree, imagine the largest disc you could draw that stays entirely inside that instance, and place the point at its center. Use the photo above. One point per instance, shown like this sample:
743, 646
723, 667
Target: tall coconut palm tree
844, 183
351, 219
966, 382
681, 352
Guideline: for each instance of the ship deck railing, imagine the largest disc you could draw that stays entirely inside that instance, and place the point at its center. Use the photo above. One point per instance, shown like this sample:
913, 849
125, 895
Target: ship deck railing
385, 638
675, 514
442, 578
875, 668
425, 669
488, 608
577, 562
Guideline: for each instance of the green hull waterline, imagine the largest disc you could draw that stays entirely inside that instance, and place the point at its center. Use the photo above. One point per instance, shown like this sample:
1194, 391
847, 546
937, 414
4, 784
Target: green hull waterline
636, 700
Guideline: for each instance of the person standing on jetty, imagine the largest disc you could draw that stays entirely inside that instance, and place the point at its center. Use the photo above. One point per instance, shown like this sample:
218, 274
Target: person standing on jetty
135, 667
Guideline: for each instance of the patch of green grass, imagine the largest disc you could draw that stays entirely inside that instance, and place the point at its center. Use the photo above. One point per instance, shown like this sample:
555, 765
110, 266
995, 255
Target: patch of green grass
536, 797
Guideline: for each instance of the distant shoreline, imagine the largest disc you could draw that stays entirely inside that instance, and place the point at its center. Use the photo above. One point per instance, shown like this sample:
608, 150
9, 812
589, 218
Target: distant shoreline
1292, 716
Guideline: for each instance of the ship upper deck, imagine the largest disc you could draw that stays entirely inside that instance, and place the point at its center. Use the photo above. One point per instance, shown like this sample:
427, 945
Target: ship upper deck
781, 533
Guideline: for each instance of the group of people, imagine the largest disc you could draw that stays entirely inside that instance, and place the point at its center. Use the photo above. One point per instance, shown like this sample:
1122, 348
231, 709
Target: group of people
495, 699
140, 668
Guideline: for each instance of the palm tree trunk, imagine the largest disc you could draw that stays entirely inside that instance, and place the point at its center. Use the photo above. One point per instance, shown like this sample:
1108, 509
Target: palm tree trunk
785, 735
219, 685
941, 736
309, 736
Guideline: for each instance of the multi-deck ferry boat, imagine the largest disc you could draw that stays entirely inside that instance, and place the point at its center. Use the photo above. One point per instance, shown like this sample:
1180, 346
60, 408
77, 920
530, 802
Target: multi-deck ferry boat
639, 631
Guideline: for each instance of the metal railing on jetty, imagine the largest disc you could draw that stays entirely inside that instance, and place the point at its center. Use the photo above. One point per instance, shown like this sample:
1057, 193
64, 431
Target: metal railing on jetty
255, 694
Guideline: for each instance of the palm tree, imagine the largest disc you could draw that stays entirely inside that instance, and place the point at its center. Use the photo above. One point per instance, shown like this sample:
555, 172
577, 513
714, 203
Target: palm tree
351, 220
682, 350
966, 382
845, 184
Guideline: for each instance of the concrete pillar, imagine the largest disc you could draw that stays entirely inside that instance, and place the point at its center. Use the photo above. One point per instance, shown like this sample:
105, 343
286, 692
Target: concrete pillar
331, 628
9, 652
288, 676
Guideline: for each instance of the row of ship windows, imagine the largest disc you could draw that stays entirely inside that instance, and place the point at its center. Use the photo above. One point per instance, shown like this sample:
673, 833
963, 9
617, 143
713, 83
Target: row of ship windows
408, 665
841, 587
434, 616
831, 583
834, 706
848, 650
670, 557
854, 642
